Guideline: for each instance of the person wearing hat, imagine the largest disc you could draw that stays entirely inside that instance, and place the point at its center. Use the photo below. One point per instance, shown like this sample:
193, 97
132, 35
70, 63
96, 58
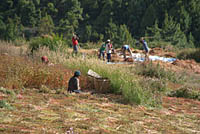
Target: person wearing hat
108, 50
73, 84
146, 48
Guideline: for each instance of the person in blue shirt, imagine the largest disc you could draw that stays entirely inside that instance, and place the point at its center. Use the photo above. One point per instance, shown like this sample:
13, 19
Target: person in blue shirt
124, 49
146, 48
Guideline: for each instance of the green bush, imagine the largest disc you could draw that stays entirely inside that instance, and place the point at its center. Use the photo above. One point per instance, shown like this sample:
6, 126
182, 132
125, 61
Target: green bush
7, 91
185, 92
191, 53
52, 42
156, 71
5, 104
90, 45
121, 82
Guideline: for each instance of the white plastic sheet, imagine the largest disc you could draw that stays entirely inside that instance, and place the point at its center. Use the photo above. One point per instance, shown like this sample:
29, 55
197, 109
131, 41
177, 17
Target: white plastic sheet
139, 57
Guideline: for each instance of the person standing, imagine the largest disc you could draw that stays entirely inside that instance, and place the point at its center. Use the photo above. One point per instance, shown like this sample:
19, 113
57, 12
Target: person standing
102, 51
73, 84
146, 48
108, 50
75, 43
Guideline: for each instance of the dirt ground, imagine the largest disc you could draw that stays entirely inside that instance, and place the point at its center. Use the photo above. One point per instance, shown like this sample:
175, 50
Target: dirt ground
52, 113
177, 66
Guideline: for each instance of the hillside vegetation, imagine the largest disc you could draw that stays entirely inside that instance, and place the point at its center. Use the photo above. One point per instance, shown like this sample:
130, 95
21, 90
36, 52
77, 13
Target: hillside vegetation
123, 21
133, 97
141, 98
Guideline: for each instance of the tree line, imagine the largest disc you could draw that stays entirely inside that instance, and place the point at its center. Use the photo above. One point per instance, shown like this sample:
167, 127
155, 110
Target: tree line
124, 21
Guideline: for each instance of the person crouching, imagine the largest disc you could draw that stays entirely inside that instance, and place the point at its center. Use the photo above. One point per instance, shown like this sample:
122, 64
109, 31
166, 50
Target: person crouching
124, 49
45, 59
73, 85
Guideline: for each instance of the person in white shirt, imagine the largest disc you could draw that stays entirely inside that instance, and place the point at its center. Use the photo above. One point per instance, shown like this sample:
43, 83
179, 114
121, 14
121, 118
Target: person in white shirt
108, 50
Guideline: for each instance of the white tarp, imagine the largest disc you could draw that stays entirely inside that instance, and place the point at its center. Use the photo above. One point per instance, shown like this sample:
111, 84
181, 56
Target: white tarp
139, 57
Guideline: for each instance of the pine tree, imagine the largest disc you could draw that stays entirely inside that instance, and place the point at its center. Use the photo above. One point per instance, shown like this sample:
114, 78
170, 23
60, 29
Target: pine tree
46, 25
168, 28
191, 41
154, 32
179, 39
123, 36
149, 17
171, 32
2, 28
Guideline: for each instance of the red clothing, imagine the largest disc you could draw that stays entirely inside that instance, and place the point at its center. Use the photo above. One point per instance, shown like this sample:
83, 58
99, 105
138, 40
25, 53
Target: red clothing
110, 45
44, 59
74, 41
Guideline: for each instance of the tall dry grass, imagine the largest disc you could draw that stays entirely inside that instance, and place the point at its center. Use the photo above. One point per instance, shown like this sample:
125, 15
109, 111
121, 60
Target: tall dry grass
8, 48
23, 72
18, 72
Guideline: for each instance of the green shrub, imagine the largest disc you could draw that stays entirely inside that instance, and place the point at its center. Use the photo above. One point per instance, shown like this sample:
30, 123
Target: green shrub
121, 82
11, 95
189, 54
19, 42
53, 42
155, 90
156, 71
5, 104
155, 86
185, 92
90, 45
7, 91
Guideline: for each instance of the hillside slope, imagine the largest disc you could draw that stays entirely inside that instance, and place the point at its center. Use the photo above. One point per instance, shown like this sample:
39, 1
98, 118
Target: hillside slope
35, 112
33, 100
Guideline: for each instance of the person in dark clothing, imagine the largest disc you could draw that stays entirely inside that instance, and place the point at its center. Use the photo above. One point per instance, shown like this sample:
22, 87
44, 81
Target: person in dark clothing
73, 84
146, 48
102, 51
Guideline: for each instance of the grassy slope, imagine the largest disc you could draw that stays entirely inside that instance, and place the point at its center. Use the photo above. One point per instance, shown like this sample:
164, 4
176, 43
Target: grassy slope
36, 112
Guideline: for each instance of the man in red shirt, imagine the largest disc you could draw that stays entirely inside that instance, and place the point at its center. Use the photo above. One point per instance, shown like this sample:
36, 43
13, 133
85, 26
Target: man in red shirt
75, 43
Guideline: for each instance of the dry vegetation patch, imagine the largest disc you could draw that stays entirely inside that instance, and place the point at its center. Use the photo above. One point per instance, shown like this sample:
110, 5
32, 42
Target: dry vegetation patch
21, 72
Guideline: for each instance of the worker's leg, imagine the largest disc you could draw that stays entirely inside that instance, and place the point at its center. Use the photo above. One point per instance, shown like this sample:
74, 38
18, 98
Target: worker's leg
146, 56
108, 57
75, 48
103, 55
124, 52
99, 54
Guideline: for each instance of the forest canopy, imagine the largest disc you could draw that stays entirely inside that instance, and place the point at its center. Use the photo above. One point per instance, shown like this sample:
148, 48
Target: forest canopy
123, 21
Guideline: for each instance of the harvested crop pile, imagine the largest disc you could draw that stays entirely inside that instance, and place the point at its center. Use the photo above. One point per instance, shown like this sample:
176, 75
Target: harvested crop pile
116, 58
188, 64
161, 52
